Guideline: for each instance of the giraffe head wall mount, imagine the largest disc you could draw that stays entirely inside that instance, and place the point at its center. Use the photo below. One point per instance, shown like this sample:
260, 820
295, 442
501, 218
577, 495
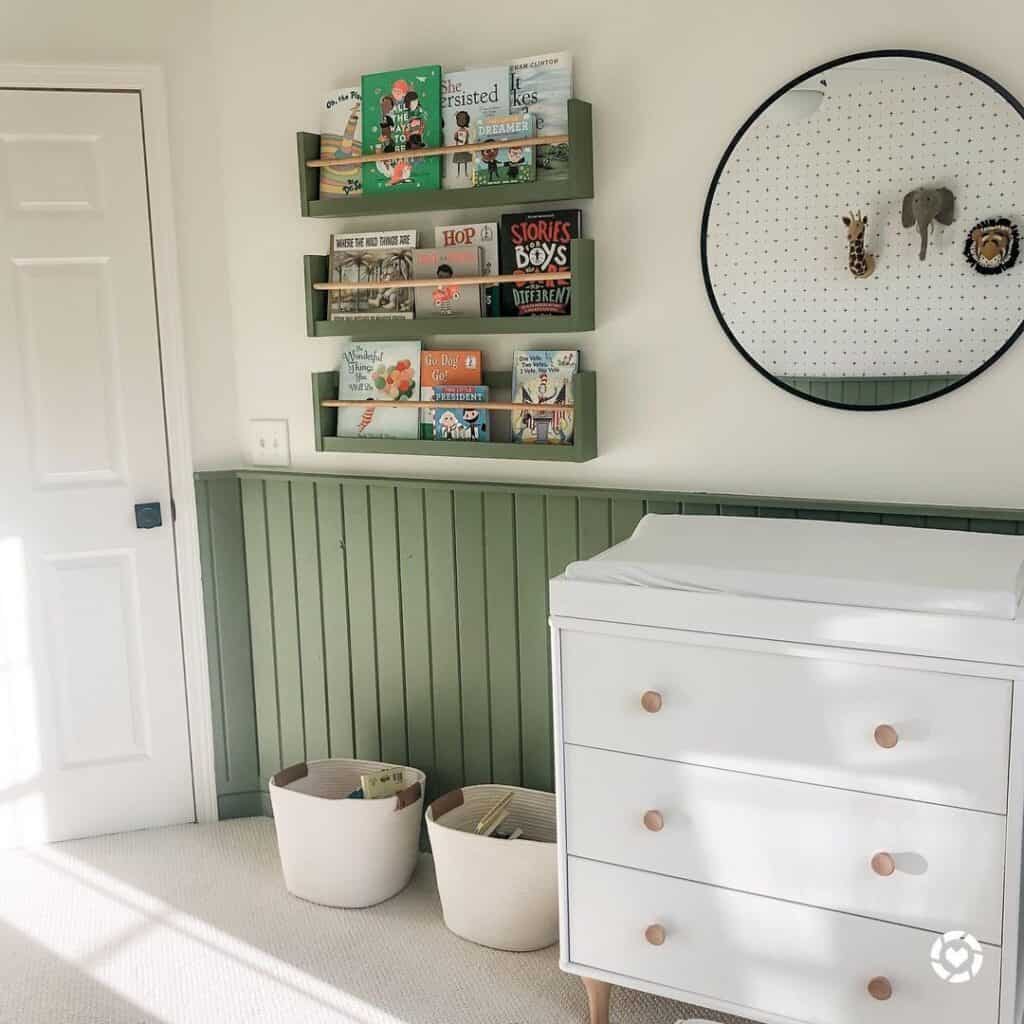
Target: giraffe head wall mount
861, 263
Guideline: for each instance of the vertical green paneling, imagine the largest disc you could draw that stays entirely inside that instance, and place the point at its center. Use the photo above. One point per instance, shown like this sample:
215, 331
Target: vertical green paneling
387, 604
419, 699
226, 603
264, 669
443, 596
662, 508
285, 616
595, 519
502, 630
335, 620
534, 650
408, 620
362, 628
626, 513
211, 611
306, 538
470, 575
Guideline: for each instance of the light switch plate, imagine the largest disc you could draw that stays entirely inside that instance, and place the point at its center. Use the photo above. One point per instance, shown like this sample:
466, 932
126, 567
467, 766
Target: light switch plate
268, 443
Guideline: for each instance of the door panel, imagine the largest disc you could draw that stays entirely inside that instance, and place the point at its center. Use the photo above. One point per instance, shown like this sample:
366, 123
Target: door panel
69, 348
53, 173
98, 667
91, 667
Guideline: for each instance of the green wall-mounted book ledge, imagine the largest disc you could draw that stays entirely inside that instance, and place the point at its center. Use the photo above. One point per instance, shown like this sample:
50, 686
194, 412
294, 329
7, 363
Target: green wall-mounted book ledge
580, 319
578, 184
584, 448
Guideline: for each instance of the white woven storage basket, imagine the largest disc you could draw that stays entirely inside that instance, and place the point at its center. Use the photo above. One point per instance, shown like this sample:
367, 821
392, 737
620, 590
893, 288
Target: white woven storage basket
345, 853
501, 893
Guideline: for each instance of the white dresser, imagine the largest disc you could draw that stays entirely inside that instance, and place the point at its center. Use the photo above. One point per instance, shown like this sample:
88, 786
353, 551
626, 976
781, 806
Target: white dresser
788, 763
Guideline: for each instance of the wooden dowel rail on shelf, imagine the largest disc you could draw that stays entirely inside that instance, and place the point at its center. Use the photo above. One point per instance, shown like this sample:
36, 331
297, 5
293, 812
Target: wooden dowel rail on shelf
417, 154
521, 278
574, 181
348, 403
583, 410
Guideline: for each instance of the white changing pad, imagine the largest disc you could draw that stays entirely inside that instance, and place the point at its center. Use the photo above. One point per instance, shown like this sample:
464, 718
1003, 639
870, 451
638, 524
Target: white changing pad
946, 571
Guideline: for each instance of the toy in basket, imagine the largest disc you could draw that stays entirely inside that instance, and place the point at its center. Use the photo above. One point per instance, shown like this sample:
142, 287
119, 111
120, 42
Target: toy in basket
346, 852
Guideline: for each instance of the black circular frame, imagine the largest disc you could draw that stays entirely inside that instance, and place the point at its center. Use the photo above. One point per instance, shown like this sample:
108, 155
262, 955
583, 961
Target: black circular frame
719, 170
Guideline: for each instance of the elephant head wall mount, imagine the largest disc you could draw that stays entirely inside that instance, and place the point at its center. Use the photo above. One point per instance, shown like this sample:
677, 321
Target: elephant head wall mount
923, 205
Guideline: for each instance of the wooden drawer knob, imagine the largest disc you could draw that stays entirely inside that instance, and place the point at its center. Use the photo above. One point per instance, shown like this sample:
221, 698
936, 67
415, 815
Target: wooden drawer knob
655, 934
880, 988
883, 864
654, 821
651, 701
886, 736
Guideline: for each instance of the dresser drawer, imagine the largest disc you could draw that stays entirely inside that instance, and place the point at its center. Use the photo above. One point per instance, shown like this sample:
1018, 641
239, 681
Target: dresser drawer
941, 867
803, 713
765, 955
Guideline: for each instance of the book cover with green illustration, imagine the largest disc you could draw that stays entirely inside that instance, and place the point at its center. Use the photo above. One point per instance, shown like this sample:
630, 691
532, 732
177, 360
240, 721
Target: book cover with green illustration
508, 162
542, 85
401, 113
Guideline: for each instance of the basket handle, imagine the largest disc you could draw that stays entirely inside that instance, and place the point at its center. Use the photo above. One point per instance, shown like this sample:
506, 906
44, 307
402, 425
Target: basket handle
286, 776
408, 796
443, 804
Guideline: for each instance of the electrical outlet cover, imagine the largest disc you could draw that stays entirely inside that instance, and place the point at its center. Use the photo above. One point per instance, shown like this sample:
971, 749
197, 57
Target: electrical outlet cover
268, 443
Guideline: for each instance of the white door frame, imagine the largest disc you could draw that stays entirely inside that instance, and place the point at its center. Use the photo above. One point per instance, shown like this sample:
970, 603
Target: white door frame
148, 82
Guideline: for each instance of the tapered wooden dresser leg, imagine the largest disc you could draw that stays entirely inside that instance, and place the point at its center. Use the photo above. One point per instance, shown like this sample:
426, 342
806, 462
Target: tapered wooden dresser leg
598, 995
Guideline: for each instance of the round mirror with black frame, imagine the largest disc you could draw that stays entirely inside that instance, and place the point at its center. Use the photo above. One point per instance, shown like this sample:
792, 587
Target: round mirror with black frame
860, 237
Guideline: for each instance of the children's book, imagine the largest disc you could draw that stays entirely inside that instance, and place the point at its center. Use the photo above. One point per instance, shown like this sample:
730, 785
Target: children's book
544, 379
444, 266
486, 237
537, 243
543, 86
460, 424
466, 97
341, 136
505, 163
440, 367
371, 257
386, 374
402, 113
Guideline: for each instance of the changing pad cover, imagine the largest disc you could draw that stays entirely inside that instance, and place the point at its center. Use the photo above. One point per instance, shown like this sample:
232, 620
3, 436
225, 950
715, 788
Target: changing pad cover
897, 567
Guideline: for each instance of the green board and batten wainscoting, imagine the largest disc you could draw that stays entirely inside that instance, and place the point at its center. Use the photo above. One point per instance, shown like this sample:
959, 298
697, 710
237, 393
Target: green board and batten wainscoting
406, 620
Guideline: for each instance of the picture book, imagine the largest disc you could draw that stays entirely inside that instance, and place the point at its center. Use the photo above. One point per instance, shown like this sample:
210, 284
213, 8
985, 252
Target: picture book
466, 98
443, 265
340, 136
440, 367
402, 113
461, 424
370, 257
384, 373
505, 163
544, 379
486, 237
537, 243
543, 86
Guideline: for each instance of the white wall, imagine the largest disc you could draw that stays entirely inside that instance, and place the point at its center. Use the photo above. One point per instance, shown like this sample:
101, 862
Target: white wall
670, 81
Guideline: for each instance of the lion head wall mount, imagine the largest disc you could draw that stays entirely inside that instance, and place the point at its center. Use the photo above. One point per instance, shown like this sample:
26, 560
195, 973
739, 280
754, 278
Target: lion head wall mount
992, 245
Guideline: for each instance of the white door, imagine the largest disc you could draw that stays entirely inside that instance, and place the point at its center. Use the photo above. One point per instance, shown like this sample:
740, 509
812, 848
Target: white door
93, 726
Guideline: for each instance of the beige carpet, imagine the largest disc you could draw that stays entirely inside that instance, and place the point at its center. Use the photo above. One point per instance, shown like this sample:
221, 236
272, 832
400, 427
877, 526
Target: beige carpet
192, 925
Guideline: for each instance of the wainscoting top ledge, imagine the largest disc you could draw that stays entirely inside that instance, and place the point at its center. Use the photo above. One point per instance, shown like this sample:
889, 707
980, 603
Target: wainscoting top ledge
695, 502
